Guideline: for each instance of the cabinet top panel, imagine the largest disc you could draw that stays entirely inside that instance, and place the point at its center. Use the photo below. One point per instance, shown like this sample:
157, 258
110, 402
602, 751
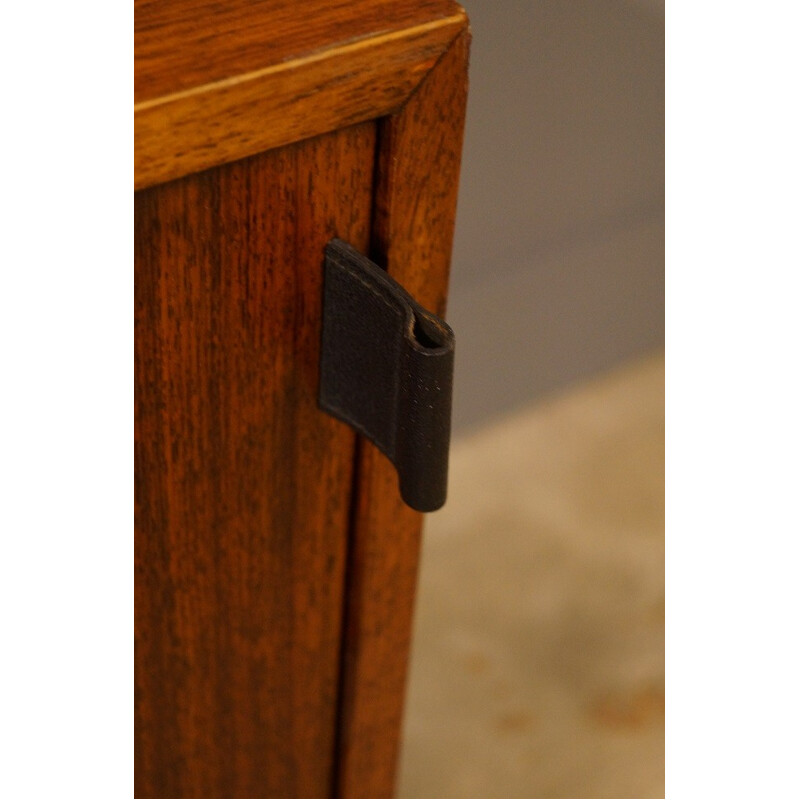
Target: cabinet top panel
184, 44
217, 81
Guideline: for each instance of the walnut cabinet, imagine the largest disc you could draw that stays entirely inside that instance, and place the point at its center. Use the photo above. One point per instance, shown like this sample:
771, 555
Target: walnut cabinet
275, 561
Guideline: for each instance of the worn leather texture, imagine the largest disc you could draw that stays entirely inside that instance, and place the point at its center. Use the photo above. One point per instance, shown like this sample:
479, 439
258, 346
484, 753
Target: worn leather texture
386, 369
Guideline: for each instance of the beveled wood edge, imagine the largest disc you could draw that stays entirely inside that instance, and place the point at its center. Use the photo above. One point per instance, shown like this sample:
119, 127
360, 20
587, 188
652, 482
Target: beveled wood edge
224, 121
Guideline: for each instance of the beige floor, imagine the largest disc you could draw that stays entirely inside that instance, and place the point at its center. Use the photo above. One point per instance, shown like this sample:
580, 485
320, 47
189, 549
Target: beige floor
538, 660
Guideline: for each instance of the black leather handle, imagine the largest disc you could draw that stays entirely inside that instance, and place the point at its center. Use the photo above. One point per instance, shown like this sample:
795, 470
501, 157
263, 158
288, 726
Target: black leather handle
386, 369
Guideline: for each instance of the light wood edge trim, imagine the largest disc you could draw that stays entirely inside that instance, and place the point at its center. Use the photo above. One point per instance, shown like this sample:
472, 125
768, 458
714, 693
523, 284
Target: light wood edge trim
298, 63
224, 121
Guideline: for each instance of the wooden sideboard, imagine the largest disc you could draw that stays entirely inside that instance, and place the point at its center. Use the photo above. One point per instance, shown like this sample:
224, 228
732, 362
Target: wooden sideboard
275, 562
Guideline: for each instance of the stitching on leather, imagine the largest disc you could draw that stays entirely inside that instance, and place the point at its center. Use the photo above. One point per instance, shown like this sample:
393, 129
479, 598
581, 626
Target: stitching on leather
395, 306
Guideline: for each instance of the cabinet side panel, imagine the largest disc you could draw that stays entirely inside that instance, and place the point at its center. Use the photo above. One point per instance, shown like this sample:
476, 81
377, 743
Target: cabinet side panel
419, 155
243, 487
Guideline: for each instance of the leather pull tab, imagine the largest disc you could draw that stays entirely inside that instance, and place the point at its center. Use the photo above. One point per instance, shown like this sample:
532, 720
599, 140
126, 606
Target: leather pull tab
386, 369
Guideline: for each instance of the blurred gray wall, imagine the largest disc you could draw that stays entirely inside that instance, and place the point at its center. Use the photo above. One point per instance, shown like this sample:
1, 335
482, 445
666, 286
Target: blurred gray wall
558, 259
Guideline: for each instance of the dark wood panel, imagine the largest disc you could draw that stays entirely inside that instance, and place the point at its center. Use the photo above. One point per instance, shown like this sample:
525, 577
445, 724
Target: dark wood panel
416, 191
243, 487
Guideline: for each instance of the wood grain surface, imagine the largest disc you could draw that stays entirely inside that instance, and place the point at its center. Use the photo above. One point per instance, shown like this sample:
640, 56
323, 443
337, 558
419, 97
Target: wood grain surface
219, 82
243, 487
419, 155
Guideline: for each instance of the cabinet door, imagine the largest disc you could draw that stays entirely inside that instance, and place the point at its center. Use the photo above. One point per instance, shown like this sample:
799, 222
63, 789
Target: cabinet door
243, 487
